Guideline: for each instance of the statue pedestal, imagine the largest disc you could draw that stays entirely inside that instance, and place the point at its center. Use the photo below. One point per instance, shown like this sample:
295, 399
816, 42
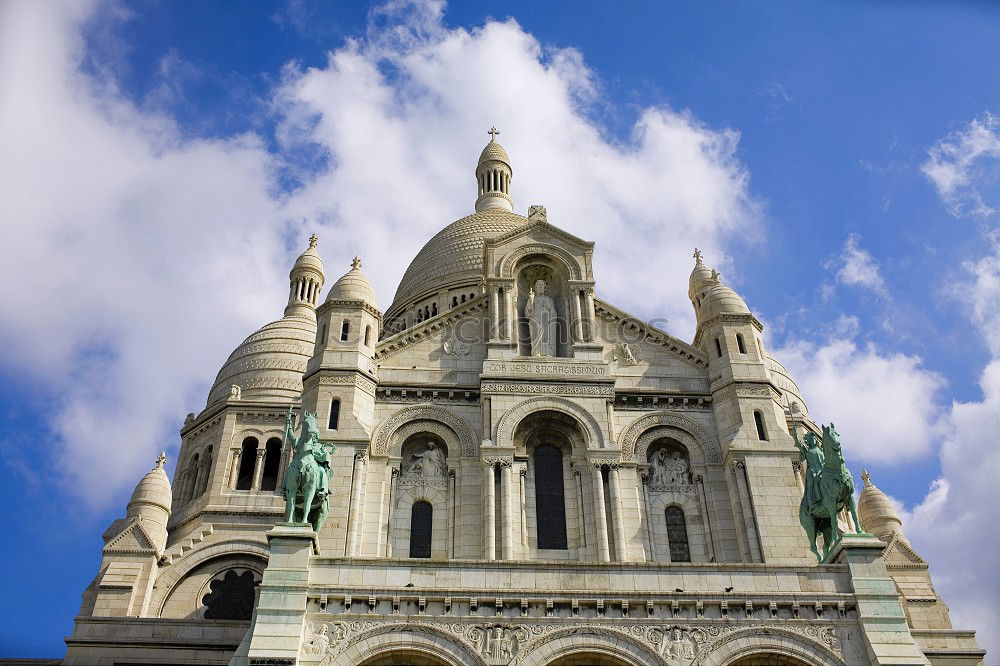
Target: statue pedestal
883, 623
276, 629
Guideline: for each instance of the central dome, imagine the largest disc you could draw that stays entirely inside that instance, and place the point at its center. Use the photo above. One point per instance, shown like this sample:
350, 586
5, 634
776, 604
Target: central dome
453, 257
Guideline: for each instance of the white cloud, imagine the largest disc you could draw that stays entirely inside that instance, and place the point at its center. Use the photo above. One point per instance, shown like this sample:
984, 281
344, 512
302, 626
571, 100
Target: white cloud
884, 405
141, 258
858, 268
961, 164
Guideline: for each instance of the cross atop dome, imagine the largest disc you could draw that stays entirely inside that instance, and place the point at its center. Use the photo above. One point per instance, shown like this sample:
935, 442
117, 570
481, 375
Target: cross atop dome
493, 133
161, 459
356, 263
493, 174
313, 240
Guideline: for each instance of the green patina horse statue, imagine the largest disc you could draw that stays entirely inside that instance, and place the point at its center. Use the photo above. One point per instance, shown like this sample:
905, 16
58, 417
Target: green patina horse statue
829, 489
307, 480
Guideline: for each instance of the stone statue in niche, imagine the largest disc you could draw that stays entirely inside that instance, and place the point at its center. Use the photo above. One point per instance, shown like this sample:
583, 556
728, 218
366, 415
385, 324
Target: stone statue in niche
540, 310
429, 463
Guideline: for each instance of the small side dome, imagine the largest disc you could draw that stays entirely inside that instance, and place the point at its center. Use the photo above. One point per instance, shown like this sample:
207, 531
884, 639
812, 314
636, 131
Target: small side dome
353, 286
153, 490
877, 514
720, 299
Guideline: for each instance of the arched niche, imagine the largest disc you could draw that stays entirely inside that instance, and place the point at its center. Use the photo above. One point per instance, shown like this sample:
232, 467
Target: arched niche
423, 479
527, 273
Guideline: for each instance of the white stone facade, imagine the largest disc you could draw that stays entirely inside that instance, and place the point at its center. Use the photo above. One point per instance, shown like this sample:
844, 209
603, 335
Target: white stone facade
632, 499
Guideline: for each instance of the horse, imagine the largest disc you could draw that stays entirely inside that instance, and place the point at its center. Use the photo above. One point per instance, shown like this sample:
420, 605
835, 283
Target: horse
307, 481
837, 491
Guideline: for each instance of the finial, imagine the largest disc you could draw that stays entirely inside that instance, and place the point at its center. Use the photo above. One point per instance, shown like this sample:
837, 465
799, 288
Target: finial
493, 133
356, 263
161, 459
865, 477
715, 275
313, 240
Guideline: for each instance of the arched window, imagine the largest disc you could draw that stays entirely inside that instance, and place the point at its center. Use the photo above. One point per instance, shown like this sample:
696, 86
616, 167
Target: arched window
421, 522
248, 460
434, 309
740, 344
345, 328
206, 461
677, 535
550, 498
463, 298
368, 336
454, 301
334, 414
230, 597
718, 347
272, 461
758, 420
192, 477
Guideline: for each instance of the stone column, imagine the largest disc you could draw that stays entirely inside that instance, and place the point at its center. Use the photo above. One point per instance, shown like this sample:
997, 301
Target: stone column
591, 316
494, 312
749, 523
616, 514
507, 510
510, 315
258, 470
392, 501
603, 548
235, 470
574, 309
489, 513
581, 517
355, 519
650, 534
522, 472
452, 513
706, 521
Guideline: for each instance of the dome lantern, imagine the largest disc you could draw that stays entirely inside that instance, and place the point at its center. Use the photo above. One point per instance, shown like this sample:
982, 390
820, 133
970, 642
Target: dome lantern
306, 280
493, 175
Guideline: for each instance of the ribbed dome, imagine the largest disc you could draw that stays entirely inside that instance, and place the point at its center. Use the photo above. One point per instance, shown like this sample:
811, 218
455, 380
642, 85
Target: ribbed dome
152, 489
309, 259
353, 286
877, 514
494, 151
454, 256
721, 299
269, 364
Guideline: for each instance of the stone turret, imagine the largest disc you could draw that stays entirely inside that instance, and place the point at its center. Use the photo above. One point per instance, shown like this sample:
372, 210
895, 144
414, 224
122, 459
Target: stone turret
306, 281
878, 515
150, 503
493, 173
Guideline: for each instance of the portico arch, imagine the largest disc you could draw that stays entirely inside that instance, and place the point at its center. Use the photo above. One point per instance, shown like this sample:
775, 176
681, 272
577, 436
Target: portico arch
503, 436
595, 646
391, 433
638, 435
416, 644
746, 647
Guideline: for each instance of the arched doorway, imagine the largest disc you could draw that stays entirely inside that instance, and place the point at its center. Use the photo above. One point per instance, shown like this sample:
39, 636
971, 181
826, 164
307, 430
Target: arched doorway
767, 660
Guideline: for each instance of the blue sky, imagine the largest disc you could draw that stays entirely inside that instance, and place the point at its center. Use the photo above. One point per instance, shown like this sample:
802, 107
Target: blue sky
838, 161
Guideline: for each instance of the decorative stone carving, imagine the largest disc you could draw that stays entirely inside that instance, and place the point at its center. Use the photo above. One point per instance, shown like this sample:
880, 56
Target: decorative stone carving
626, 354
497, 644
455, 347
235, 392
596, 390
537, 212
693, 436
429, 463
540, 311
668, 469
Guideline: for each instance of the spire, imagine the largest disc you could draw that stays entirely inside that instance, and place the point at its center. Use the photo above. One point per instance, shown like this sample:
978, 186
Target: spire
305, 282
493, 174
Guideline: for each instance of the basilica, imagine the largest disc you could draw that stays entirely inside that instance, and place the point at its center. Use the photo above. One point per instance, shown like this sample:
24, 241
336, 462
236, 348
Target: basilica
517, 471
